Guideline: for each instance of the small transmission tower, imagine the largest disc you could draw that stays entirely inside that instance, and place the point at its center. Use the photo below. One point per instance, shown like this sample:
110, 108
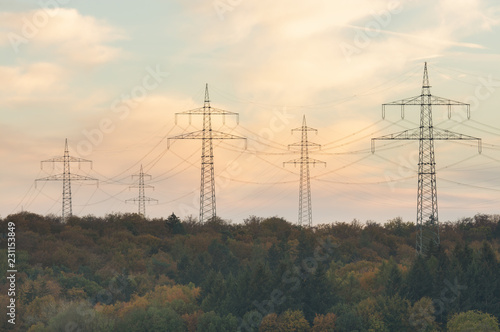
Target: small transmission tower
142, 199
426, 134
66, 177
305, 208
207, 188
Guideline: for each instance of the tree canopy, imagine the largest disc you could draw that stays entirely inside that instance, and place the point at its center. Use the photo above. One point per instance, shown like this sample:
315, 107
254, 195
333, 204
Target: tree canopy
123, 272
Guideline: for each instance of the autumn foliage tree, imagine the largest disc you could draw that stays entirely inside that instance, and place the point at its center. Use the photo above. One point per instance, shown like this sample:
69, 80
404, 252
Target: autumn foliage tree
123, 272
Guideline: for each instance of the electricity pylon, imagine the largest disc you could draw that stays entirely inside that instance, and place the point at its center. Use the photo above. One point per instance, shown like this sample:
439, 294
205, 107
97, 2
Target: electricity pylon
305, 207
141, 199
66, 177
207, 188
426, 134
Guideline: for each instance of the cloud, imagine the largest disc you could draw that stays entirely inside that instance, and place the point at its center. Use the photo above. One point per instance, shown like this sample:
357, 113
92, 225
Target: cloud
39, 77
291, 51
468, 16
73, 37
422, 37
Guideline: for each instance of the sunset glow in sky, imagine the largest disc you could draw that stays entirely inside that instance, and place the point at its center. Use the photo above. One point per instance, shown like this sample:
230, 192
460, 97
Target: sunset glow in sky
110, 76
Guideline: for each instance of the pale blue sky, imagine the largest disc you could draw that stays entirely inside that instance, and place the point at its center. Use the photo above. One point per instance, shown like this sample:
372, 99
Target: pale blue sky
64, 71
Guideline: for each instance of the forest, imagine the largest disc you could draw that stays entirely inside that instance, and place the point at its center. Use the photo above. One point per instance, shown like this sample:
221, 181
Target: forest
123, 272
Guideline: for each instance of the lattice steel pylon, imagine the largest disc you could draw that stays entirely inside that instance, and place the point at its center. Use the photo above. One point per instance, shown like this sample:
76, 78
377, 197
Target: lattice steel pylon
426, 134
305, 207
141, 199
66, 177
207, 188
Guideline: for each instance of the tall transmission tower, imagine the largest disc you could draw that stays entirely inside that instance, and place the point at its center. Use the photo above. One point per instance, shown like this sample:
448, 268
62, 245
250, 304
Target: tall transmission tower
305, 207
66, 177
426, 134
207, 135
141, 199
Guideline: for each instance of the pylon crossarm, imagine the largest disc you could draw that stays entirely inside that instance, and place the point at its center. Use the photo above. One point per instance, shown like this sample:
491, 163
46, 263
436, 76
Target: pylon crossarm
314, 162
213, 111
79, 160
438, 134
305, 129
73, 177
62, 160
55, 159
443, 134
304, 161
70, 159
450, 135
145, 186
206, 110
448, 102
138, 199
409, 134
300, 144
434, 101
143, 175
200, 135
293, 162
76, 177
58, 177
417, 100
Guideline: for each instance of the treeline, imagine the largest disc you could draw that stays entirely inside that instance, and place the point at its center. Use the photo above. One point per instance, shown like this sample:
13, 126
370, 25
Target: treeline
125, 273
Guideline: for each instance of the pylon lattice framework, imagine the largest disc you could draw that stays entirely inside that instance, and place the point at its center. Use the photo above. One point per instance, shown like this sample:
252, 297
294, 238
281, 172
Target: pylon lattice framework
141, 199
305, 207
66, 177
426, 134
207, 135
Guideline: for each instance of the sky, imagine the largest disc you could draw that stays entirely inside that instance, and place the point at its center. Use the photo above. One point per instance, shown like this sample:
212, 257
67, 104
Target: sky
111, 76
